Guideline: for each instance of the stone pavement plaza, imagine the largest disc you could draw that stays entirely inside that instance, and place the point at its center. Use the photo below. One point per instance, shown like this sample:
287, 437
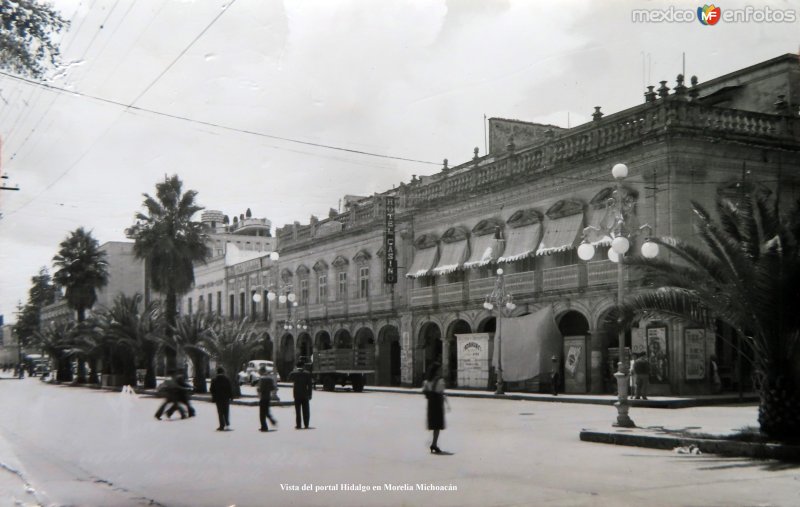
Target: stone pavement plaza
84, 447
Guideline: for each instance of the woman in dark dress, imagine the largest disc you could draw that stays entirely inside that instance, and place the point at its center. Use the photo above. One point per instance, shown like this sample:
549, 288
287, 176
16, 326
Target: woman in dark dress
434, 392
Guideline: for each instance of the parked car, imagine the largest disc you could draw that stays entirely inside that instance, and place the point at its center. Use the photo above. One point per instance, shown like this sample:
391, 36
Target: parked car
251, 374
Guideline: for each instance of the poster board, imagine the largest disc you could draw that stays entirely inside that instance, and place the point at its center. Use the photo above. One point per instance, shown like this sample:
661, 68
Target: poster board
575, 364
694, 347
473, 360
657, 354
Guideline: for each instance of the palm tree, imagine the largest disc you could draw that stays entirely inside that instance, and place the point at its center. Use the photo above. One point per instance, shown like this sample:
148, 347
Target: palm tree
169, 242
134, 332
189, 335
58, 341
82, 269
231, 344
747, 275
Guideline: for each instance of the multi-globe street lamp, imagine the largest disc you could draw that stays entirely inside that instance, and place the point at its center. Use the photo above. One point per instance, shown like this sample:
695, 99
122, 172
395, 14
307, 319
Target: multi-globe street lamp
499, 300
620, 244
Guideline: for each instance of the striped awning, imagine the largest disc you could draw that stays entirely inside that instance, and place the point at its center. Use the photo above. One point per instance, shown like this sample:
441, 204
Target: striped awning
485, 249
561, 234
521, 242
452, 258
600, 221
423, 262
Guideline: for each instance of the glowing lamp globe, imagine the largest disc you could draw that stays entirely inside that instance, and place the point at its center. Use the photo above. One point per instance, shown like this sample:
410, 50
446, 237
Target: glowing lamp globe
586, 251
274, 256
291, 297
257, 297
650, 250
511, 306
620, 245
271, 296
488, 306
282, 298
499, 271
612, 255
619, 171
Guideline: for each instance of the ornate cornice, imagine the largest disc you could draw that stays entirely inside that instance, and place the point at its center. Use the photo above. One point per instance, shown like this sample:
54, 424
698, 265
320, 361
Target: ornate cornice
340, 262
320, 266
362, 256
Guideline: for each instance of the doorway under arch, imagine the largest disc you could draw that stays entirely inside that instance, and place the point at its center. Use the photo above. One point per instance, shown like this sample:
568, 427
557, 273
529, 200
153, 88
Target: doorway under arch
430, 341
389, 369
322, 341
305, 347
287, 359
457, 327
342, 339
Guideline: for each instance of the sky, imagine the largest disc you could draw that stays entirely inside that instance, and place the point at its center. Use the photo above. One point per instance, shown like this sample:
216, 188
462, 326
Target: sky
399, 79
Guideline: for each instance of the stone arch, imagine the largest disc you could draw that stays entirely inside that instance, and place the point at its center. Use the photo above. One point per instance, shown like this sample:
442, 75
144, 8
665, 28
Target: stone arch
430, 344
389, 352
322, 341
286, 361
573, 323
305, 347
342, 339
268, 347
364, 337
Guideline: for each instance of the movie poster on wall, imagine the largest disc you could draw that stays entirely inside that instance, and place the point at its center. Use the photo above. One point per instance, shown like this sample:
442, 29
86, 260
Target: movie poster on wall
694, 346
657, 355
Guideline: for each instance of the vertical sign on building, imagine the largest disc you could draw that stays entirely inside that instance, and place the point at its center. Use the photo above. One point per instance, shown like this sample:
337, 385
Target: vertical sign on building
389, 247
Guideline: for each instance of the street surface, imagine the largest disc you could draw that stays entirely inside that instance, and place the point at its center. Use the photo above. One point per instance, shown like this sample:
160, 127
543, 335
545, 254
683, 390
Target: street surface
71, 446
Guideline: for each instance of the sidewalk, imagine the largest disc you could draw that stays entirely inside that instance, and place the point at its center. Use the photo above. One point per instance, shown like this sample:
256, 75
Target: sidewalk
589, 399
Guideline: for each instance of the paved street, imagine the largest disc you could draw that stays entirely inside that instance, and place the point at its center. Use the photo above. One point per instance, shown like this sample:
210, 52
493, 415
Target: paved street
84, 447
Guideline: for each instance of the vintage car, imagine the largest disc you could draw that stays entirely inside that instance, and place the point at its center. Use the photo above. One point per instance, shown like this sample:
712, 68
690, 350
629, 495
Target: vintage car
251, 374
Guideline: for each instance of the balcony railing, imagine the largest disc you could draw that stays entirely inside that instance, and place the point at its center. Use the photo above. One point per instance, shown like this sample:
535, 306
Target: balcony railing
480, 287
451, 292
337, 308
358, 306
565, 277
380, 303
316, 311
422, 296
601, 272
521, 283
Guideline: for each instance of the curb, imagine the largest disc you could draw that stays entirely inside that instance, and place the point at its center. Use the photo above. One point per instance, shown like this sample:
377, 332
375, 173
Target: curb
784, 452
674, 403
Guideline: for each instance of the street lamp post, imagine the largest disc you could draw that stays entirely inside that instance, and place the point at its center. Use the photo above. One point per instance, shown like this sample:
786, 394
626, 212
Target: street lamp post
498, 300
620, 244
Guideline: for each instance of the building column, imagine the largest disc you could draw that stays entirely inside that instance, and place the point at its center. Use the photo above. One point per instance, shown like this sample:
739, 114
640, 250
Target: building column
408, 358
595, 360
446, 358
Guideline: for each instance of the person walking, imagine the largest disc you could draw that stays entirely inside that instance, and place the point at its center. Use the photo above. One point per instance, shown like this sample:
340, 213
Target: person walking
183, 395
303, 383
434, 391
716, 381
171, 392
266, 384
641, 371
222, 394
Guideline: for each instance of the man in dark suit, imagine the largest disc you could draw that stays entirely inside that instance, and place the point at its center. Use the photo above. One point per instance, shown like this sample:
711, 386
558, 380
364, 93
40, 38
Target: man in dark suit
222, 394
266, 385
302, 394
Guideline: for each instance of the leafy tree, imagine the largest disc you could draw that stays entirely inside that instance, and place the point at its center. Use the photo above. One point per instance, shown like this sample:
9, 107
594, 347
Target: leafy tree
82, 269
231, 344
26, 37
189, 335
132, 333
41, 294
59, 342
746, 274
170, 242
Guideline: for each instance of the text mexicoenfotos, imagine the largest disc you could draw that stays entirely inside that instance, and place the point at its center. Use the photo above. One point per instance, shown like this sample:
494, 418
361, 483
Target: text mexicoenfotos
364, 488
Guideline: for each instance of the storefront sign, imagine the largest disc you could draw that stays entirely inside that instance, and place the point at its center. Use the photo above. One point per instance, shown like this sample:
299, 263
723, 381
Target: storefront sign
657, 355
694, 346
473, 359
389, 247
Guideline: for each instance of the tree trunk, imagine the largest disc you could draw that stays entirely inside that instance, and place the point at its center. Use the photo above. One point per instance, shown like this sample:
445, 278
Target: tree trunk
231, 369
150, 364
779, 410
81, 370
199, 363
93, 378
170, 310
64, 373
